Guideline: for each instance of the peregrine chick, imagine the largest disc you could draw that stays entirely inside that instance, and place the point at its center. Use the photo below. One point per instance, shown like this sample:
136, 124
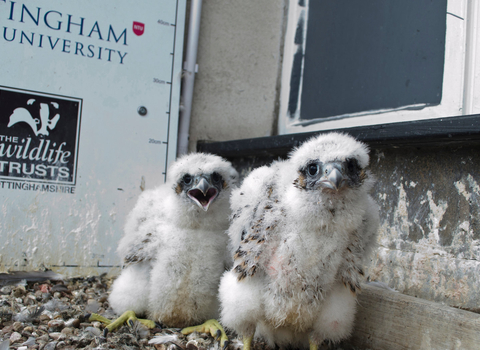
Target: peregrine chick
301, 231
174, 247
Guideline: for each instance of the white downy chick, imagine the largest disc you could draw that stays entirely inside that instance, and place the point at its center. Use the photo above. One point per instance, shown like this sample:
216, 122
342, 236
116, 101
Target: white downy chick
301, 232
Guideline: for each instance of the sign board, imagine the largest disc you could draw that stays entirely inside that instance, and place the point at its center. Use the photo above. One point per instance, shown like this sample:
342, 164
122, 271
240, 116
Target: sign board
89, 102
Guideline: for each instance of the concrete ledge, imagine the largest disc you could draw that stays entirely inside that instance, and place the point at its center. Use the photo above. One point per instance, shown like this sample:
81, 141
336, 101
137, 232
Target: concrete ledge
389, 320
431, 132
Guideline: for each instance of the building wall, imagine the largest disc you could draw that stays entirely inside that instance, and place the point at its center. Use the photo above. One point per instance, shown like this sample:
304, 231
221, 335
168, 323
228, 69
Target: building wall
429, 238
429, 197
239, 60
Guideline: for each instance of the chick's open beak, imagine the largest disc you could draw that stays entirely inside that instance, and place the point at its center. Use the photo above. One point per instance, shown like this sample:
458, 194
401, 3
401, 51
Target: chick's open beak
203, 193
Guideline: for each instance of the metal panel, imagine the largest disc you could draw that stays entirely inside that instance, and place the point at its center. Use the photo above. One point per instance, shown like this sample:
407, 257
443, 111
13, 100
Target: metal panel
89, 100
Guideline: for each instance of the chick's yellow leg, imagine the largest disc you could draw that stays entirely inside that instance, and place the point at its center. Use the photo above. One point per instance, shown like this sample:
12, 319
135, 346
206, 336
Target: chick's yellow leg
313, 343
211, 326
128, 317
99, 318
247, 342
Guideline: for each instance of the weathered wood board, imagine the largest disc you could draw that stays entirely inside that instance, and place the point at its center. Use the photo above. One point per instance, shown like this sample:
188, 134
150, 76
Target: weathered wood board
394, 321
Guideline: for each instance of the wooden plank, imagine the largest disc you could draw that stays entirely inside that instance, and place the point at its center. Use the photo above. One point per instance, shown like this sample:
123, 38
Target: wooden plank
390, 320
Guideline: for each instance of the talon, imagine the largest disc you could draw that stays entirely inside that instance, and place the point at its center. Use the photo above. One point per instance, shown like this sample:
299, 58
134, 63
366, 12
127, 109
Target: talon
105, 333
211, 326
226, 344
130, 323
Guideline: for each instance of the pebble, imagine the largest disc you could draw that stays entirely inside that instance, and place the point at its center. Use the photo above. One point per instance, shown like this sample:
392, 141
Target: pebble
56, 335
73, 322
6, 290
192, 345
93, 331
15, 336
92, 305
17, 326
67, 331
7, 329
19, 291
30, 341
38, 295
43, 338
60, 288
42, 328
97, 324
45, 288
44, 318
56, 324
30, 300
103, 298
51, 346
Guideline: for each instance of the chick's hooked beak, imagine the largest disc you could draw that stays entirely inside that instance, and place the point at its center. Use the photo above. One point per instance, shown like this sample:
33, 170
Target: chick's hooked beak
332, 177
203, 193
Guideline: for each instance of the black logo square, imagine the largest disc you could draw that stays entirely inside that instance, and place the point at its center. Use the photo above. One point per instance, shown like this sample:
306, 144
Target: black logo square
39, 136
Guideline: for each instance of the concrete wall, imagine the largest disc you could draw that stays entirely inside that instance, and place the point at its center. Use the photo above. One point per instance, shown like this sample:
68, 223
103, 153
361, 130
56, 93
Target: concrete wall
239, 59
429, 242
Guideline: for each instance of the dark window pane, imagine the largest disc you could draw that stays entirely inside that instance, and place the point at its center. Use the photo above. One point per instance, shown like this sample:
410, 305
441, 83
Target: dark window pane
370, 55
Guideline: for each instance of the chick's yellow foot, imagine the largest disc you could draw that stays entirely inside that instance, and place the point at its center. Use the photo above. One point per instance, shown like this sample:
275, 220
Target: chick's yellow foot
127, 317
211, 326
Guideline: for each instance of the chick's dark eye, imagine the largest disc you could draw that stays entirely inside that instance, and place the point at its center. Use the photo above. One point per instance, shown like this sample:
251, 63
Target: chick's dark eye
312, 169
187, 179
216, 177
352, 166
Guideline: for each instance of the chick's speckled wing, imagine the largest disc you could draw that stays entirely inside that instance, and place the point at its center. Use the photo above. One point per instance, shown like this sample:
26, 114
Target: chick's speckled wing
362, 242
142, 237
256, 214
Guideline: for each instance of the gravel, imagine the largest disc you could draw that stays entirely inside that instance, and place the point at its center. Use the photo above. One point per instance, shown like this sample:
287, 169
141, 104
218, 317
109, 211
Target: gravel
53, 314
49, 315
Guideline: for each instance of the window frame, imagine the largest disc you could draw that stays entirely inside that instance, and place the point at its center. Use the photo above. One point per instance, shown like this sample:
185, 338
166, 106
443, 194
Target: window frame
460, 92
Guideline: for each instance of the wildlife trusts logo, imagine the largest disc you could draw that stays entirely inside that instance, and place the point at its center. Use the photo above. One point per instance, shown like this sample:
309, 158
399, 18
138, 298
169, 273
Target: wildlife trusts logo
39, 136
40, 125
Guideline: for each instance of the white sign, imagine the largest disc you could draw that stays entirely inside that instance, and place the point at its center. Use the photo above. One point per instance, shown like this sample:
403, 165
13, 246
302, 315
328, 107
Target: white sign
89, 102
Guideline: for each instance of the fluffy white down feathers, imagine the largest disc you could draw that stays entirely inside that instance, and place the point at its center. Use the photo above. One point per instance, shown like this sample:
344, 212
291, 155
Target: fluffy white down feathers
301, 232
173, 249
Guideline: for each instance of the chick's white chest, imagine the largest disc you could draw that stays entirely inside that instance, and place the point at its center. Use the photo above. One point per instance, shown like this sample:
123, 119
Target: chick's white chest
188, 270
297, 261
301, 269
193, 254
